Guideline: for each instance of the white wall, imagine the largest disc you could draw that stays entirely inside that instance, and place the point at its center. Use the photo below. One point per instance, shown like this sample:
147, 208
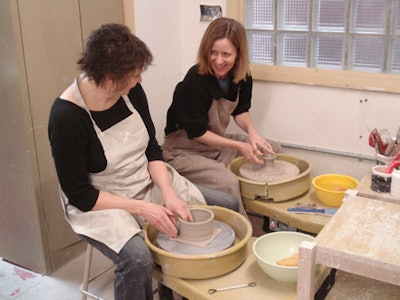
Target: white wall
172, 30
316, 118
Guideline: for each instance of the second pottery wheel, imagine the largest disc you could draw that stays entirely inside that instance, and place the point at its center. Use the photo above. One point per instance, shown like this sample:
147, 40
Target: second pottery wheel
274, 170
278, 191
222, 241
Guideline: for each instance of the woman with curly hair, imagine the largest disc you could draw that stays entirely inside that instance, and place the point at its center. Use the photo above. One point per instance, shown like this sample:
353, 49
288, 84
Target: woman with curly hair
109, 163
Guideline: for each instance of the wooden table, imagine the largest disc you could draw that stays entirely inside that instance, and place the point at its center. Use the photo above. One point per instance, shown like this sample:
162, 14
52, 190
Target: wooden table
362, 238
364, 190
312, 223
249, 271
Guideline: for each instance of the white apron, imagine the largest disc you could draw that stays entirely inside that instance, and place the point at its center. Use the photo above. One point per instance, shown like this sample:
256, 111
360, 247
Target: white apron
126, 175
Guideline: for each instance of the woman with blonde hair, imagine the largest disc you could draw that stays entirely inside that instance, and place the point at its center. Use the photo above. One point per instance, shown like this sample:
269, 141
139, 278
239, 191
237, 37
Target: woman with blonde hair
217, 87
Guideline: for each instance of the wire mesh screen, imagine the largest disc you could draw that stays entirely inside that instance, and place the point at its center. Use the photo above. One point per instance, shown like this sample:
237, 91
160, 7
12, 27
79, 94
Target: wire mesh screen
260, 14
292, 49
367, 53
396, 17
293, 14
330, 15
262, 48
394, 61
368, 16
339, 34
328, 51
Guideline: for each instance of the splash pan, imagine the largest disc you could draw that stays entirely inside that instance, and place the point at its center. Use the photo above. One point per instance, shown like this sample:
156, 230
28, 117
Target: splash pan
202, 266
277, 191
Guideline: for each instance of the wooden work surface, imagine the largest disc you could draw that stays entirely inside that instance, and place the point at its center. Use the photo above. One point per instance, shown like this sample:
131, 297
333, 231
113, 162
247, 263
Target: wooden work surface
367, 230
364, 190
249, 271
362, 239
312, 223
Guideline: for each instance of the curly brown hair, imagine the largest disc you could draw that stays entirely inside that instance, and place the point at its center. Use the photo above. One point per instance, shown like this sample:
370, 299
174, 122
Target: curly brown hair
113, 52
232, 30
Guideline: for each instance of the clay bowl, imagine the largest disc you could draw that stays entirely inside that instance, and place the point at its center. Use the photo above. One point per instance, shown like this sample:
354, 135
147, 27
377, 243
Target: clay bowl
277, 191
204, 266
202, 227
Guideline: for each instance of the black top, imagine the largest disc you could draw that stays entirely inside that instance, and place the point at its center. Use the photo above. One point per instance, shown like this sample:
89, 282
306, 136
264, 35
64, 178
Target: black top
77, 150
193, 98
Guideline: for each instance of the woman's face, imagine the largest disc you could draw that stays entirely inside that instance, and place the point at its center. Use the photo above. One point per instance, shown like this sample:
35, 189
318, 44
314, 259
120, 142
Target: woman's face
222, 58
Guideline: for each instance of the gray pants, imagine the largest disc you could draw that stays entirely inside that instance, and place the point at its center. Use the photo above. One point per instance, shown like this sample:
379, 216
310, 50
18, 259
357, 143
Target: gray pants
133, 280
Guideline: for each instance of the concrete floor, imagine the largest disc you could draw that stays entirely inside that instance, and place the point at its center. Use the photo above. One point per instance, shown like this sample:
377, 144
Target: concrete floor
64, 283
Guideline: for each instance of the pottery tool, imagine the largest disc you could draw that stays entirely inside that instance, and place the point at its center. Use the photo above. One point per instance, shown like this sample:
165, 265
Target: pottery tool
394, 164
391, 147
379, 139
323, 211
213, 291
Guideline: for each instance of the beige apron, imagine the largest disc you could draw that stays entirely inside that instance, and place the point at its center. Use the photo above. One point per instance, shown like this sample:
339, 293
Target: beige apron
126, 175
201, 163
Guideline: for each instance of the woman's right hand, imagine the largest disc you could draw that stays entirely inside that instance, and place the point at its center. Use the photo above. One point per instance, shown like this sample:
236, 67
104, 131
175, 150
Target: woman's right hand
161, 218
251, 154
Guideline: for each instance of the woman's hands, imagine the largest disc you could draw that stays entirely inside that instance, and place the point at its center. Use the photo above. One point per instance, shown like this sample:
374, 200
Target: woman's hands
258, 145
161, 218
250, 153
256, 148
178, 206
173, 205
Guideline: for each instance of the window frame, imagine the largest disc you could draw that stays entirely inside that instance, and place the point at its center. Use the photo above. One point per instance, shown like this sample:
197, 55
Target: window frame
367, 81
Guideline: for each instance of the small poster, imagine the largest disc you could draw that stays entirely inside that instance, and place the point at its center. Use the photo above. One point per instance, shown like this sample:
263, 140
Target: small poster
210, 12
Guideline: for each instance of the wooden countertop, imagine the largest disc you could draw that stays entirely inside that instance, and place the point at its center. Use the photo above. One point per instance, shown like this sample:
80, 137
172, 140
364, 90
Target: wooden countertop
364, 190
312, 223
249, 271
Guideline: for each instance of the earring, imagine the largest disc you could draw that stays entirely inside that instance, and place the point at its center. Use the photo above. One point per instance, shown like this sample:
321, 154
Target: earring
108, 93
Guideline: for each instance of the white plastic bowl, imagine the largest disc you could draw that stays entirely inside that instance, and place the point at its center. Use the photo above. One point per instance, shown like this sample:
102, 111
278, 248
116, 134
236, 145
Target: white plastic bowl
272, 247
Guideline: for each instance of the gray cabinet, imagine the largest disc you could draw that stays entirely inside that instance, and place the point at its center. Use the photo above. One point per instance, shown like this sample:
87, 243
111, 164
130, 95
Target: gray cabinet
40, 42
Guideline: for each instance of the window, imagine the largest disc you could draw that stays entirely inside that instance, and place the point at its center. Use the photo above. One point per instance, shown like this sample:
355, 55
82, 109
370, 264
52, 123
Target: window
340, 43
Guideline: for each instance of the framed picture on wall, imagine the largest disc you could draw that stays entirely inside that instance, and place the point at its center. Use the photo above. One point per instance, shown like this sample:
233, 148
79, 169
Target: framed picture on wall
210, 12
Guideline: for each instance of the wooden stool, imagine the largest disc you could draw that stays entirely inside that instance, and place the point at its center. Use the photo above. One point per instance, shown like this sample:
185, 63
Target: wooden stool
86, 274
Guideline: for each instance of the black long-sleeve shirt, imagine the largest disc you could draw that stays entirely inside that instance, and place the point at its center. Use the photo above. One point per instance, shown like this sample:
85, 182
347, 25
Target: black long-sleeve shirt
77, 150
193, 97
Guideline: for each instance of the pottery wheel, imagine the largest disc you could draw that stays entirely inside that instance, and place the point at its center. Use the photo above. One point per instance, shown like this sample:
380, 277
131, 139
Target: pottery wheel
270, 172
223, 240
